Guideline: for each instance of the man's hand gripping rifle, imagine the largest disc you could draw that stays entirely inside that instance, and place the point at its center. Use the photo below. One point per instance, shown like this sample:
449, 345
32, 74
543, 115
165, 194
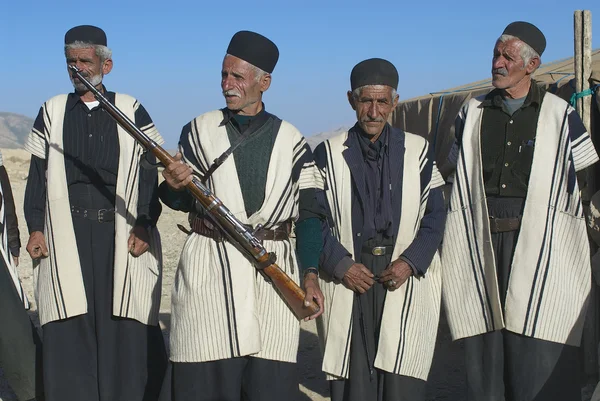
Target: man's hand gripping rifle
234, 230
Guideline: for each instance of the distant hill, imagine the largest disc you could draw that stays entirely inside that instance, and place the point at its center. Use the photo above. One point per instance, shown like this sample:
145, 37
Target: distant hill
13, 130
316, 139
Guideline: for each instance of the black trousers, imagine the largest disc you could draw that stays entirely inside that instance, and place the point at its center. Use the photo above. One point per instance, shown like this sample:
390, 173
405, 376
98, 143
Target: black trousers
20, 344
365, 383
236, 379
96, 356
507, 366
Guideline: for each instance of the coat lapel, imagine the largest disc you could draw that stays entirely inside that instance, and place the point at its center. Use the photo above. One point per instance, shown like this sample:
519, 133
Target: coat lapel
396, 151
354, 158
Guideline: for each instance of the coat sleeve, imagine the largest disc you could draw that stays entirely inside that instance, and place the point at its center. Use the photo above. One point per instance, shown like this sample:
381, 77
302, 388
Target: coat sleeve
12, 223
420, 252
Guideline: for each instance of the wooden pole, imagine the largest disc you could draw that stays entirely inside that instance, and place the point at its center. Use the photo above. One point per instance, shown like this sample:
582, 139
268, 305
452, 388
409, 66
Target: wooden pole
583, 62
578, 26
587, 68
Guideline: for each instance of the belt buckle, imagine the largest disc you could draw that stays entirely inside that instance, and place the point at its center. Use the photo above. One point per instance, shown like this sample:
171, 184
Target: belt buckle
378, 251
101, 215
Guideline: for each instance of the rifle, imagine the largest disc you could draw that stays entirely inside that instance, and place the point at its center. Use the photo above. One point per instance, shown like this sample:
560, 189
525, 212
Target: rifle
238, 234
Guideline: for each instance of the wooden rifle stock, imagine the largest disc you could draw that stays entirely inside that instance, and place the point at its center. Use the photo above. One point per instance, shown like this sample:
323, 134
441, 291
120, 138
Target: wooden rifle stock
238, 234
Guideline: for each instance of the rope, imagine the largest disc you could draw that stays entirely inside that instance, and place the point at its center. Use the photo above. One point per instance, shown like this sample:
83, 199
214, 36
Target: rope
578, 95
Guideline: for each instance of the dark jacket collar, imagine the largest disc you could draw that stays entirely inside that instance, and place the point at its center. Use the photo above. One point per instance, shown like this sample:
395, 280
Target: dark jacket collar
257, 120
534, 96
73, 98
355, 160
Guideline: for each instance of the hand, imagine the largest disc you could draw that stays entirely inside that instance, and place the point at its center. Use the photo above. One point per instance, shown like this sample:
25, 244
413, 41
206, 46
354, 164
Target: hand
313, 292
178, 174
399, 271
138, 241
36, 246
358, 278
16, 260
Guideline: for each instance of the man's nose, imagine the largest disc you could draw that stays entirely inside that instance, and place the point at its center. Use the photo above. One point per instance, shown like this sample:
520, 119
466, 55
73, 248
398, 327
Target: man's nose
225, 83
373, 109
498, 62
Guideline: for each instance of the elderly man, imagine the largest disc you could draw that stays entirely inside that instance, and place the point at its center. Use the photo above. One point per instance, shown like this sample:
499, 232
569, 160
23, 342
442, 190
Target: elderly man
232, 336
379, 264
91, 213
516, 256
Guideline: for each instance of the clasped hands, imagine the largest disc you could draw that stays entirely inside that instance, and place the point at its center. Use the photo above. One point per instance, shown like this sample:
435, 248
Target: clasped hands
359, 279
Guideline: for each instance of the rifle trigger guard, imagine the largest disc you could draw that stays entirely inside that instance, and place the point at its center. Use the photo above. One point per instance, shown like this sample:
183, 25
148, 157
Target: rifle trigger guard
272, 259
147, 164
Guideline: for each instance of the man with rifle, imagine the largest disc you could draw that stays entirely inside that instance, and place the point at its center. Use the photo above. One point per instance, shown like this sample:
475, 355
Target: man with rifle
232, 335
91, 213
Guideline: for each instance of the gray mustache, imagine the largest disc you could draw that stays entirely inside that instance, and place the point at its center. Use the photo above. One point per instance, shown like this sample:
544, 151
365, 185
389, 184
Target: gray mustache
501, 71
232, 93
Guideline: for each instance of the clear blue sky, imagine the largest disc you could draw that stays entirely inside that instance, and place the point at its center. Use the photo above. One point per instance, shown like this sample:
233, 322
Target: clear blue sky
168, 54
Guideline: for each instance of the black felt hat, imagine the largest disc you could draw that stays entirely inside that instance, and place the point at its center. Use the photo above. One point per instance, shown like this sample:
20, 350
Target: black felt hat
255, 49
374, 71
527, 33
87, 34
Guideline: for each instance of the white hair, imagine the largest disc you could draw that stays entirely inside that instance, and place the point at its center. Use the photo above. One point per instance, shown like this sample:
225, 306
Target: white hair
356, 92
103, 52
258, 73
527, 53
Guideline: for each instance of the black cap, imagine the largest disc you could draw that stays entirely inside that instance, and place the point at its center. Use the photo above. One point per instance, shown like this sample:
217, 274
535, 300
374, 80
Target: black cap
87, 34
255, 49
527, 33
374, 71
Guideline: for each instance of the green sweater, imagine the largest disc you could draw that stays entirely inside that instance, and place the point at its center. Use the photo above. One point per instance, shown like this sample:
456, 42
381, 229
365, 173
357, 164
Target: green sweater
252, 159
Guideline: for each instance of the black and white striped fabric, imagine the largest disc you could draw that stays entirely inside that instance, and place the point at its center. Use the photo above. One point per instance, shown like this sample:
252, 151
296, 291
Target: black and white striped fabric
411, 313
550, 274
58, 280
5, 249
221, 307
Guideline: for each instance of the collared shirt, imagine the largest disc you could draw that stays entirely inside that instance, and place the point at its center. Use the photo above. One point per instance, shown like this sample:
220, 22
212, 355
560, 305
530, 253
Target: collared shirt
378, 213
508, 142
91, 153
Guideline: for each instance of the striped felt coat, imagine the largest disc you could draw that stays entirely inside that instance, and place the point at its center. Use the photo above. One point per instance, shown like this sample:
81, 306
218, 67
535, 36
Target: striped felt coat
411, 313
59, 287
550, 274
221, 307
5, 249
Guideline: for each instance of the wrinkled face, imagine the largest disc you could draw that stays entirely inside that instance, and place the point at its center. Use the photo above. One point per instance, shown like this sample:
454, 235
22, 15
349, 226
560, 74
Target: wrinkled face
373, 107
507, 65
240, 86
89, 63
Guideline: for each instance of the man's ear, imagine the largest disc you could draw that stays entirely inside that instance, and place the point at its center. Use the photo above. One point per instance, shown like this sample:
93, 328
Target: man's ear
351, 100
265, 82
107, 66
533, 65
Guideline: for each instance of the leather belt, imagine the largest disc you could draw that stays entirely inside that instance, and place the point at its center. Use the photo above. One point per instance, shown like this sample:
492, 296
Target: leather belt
202, 226
378, 250
504, 225
99, 215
